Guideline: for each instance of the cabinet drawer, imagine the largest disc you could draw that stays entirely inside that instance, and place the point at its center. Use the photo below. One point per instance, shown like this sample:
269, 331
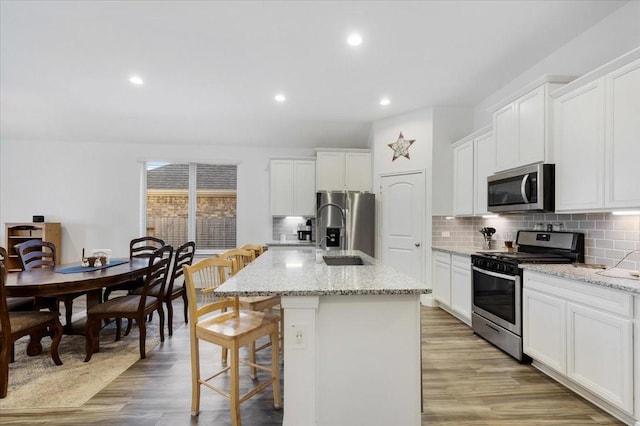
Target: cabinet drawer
604, 299
463, 262
443, 257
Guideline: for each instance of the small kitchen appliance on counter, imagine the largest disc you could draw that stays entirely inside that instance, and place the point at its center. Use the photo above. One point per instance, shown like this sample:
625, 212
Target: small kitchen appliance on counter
497, 284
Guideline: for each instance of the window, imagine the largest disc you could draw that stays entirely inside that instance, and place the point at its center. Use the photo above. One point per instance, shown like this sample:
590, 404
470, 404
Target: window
192, 201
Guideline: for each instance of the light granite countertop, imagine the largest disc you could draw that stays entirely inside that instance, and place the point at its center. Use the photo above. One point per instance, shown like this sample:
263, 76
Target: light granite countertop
619, 279
291, 243
296, 272
464, 251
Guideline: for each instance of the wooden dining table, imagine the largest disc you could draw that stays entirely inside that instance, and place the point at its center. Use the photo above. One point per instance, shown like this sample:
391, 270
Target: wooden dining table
49, 282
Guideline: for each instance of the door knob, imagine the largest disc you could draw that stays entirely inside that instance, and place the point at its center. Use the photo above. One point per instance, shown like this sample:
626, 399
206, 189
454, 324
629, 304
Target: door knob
417, 244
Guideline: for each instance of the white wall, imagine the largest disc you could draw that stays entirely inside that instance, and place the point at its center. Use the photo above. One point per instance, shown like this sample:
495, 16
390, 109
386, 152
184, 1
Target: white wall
612, 37
93, 189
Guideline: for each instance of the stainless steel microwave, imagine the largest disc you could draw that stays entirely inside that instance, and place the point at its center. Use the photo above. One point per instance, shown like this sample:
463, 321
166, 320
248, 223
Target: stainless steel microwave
525, 189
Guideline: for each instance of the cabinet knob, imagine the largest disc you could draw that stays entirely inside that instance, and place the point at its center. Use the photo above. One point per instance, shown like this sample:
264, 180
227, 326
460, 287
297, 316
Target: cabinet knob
417, 244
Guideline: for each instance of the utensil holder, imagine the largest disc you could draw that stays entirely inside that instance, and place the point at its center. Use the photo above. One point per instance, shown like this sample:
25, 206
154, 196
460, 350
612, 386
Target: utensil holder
488, 243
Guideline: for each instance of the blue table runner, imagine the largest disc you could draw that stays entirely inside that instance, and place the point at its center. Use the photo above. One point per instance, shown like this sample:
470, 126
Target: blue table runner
80, 268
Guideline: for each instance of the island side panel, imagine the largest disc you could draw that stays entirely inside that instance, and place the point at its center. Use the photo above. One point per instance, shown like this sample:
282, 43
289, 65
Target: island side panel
368, 360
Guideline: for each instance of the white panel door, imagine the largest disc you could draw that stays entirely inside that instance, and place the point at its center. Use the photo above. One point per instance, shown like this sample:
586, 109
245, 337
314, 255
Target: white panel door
402, 218
579, 148
544, 329
442, 282
461, 287
600, 354
484, 164
530, 110
623, 136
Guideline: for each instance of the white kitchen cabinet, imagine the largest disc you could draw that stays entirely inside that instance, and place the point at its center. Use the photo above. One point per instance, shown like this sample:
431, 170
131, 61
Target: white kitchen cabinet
473, 160
622, 136
585, 333
579, 148
442, 278
293, 187
484, 164
463, 179
596, 134
461, 287
522, 125
600, 354
544, 329
348, 170
452, 284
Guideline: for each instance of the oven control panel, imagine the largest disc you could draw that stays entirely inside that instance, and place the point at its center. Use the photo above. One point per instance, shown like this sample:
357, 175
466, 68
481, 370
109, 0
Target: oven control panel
495, 266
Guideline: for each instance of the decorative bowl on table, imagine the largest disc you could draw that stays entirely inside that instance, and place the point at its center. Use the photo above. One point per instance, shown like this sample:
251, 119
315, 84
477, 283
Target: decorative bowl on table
95, 261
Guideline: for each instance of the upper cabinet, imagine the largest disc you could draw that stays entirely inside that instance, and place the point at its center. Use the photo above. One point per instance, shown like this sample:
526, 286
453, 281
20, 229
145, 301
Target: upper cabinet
343, 170
473, 160
293, 187
596, 138
521, 125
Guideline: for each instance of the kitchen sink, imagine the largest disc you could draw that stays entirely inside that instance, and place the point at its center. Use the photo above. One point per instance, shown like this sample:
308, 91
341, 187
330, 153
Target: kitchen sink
343, 260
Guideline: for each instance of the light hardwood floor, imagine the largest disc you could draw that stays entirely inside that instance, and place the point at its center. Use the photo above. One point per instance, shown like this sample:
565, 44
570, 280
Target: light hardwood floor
466, 381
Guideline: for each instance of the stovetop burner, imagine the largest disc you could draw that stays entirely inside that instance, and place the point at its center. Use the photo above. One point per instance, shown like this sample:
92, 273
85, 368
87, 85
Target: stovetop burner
523, 257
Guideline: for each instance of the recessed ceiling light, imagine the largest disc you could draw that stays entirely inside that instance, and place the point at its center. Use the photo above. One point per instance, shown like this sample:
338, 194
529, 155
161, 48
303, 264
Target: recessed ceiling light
135, 79
385, 101
354, 39
280, 97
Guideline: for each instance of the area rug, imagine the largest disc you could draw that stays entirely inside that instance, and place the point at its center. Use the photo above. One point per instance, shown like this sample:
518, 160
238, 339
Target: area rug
36, 382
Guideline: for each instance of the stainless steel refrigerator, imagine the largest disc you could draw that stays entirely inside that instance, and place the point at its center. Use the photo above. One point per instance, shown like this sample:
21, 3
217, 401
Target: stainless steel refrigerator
345, 220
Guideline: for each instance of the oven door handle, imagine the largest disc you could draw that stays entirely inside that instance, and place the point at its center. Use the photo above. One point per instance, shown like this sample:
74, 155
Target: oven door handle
523, 188
495, 274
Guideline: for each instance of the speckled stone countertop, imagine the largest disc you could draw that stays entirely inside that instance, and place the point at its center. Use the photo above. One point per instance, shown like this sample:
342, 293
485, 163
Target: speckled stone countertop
293, 243
296, 272
618, 279
464, 251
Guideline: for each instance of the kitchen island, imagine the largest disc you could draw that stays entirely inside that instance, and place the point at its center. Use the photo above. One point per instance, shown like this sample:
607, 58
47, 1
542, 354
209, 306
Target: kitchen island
352, 336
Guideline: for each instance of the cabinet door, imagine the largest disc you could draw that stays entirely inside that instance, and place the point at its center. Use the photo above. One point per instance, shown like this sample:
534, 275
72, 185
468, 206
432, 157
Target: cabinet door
544, 329
623, 136
442, 282
281, 187
461, 287
484, 164
357, 171
504, 127
600, 354
530, 122
579, 148
463, 180
330, 171
304, 195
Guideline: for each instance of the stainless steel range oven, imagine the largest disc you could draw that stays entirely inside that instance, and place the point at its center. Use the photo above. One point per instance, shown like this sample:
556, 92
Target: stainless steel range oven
497, 284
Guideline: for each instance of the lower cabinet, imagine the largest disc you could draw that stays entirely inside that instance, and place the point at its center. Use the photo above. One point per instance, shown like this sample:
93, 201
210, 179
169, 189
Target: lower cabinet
584, 333
452, 284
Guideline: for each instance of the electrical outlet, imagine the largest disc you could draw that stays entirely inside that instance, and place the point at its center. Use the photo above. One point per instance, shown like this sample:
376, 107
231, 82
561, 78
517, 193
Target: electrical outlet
298, 336
446, 233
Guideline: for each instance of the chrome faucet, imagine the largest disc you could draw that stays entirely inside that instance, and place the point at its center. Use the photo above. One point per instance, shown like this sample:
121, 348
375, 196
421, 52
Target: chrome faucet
343, 214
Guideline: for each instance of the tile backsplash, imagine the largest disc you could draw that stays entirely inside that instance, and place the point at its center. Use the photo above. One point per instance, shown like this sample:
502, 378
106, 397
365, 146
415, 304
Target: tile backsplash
608, 238
288, 227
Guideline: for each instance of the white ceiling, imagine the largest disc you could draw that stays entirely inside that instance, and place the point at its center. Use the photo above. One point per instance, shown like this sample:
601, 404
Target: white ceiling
211, 69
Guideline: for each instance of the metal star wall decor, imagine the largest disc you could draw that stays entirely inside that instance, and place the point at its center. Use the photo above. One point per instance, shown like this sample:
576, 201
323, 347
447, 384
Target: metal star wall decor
401, 147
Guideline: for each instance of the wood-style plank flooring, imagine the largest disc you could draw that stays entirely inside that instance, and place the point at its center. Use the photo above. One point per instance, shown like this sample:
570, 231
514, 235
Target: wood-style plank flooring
466, 381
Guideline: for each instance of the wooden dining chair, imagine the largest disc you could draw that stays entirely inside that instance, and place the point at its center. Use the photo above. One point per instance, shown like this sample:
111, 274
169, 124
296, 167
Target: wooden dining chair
142, 247
132, 306
221, 322
175, 289
16, 303
38, 254
257, 248
241, 258
15, 325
